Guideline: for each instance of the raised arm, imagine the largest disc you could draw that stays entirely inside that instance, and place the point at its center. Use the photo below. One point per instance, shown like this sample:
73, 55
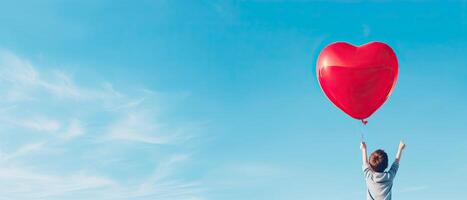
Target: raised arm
399, 151
364, 155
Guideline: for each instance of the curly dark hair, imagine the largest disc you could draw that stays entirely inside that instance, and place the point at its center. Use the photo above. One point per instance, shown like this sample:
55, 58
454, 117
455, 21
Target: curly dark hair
379, 160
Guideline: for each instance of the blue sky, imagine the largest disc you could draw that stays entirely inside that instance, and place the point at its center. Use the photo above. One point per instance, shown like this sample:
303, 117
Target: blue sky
198, 100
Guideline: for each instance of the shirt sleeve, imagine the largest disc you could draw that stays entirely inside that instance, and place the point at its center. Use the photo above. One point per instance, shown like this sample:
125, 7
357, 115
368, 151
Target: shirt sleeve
393, 170
366, 170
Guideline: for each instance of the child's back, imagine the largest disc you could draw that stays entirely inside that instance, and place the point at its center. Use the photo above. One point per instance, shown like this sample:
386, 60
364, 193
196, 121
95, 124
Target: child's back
378, 181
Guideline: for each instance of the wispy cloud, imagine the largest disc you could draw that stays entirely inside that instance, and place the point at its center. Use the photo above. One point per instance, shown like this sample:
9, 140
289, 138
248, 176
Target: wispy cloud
160, 185
46, 109
23, 150
75, 129
138, 127
23, 183
26, 82
41, 124
19, 183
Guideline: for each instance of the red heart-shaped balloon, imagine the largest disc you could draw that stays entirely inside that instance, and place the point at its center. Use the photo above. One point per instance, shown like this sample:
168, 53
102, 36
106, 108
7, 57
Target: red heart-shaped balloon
357, 79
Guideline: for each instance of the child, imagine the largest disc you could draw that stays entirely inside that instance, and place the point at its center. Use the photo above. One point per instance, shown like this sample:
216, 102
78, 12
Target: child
378, 181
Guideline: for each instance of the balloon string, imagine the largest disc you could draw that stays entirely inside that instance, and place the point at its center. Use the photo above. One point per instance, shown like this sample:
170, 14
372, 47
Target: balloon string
362, 136
362, 129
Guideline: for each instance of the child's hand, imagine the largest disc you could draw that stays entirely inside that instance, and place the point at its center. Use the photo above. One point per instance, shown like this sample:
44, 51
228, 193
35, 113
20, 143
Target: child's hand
399, 152
362, 146
402, 145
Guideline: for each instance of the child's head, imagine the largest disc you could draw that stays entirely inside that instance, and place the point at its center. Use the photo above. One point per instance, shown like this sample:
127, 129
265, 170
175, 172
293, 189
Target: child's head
379, 160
